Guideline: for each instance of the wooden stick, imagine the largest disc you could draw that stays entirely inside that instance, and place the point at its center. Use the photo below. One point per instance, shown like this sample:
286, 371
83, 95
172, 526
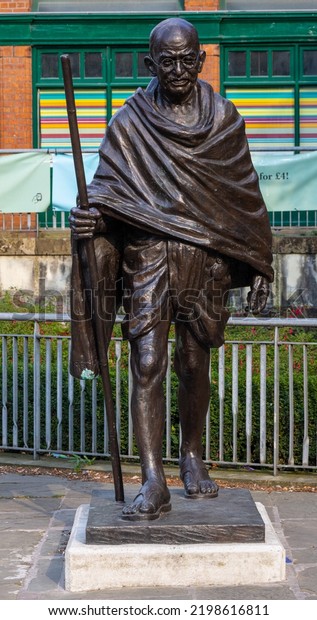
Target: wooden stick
93, 272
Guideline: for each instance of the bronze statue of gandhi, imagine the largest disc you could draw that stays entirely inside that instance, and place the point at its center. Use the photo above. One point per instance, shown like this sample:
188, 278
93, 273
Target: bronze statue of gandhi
178, 218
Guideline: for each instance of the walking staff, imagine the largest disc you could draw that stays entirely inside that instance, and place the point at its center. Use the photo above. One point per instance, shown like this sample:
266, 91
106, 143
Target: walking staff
90, 252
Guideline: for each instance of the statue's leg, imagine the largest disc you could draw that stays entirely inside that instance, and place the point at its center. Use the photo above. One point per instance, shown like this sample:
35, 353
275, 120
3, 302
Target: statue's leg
148, 366
192, 367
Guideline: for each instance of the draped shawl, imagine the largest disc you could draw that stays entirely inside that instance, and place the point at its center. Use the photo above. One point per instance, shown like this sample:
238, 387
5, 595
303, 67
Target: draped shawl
195, 184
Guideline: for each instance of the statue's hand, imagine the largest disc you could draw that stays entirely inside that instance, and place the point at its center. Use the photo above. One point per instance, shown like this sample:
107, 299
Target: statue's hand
258, 295
86, 223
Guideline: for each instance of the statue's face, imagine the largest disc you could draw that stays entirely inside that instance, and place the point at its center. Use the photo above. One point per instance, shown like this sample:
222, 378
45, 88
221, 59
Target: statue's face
176, 61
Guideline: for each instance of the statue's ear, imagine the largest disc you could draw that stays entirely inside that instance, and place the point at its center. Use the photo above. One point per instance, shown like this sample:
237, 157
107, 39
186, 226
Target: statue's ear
202, 58
150, 65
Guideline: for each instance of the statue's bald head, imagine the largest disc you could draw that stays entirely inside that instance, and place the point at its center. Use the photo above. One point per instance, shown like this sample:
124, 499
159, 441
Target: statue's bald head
175, 58
173, 29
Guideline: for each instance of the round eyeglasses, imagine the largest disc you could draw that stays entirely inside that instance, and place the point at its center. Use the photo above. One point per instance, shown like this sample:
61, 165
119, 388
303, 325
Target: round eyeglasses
168, 64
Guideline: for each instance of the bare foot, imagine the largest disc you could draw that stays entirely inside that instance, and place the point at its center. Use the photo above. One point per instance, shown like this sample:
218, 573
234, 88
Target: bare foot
196, 480
151, 500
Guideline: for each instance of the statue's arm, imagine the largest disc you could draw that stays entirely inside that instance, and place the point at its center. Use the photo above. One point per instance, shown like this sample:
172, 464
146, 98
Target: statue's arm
258, 295
85, 224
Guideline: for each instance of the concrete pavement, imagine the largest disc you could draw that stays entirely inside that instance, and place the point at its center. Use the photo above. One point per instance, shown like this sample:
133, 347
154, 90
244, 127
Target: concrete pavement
37, 512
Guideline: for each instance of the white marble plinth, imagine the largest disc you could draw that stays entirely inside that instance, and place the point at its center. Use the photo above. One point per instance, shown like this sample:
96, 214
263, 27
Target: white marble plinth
96, 567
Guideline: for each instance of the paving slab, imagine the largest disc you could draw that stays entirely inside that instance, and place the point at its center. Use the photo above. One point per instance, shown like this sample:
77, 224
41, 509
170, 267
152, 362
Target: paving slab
300, 537
305, 555
30, 507
48, 576
307, 580
292, 505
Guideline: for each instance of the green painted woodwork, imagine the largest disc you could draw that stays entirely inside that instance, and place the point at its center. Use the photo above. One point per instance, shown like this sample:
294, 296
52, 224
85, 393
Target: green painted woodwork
296, 81
238, 30
134, 28
109, 83
97, 29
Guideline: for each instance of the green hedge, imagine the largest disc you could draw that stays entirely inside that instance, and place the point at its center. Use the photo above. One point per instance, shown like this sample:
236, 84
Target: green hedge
237, 335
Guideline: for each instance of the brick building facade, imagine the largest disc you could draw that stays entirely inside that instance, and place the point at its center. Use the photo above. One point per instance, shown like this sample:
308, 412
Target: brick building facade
264, 61
16, 88
210, 71
16, 71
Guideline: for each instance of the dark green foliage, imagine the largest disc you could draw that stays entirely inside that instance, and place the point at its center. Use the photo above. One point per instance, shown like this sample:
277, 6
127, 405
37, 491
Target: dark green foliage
72, 429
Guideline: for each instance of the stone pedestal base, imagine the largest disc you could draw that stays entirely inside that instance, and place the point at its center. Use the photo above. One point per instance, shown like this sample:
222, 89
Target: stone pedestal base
101, 566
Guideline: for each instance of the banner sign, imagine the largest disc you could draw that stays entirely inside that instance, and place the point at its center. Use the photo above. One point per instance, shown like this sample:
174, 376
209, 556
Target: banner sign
288, 182
64, 179
25, 182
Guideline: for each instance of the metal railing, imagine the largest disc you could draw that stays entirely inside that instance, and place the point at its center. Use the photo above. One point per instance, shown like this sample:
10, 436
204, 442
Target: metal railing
262, 410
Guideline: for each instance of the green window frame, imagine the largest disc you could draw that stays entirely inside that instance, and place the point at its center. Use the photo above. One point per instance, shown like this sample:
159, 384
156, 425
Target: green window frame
80, 79
116, 88
308, 75
300, 86
270, 74
136, 75
280, 110
106, 89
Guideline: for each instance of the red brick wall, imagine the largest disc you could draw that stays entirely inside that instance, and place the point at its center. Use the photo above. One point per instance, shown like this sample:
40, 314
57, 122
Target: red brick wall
15, 6
15, 104
16, 97
211, 70
16, 87
16, 113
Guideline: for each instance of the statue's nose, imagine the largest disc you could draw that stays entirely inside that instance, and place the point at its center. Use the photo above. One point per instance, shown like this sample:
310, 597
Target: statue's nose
178, 67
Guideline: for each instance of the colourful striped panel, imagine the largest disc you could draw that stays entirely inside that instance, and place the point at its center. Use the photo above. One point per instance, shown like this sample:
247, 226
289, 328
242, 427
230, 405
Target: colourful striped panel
268, 113
91, 108
118, 98
308, 116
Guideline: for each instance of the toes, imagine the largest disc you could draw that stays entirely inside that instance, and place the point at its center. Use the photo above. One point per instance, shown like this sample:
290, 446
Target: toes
204, 487
133, 508
196, 479
143, 508
129, 510
140, 504
148, 504
208, 487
